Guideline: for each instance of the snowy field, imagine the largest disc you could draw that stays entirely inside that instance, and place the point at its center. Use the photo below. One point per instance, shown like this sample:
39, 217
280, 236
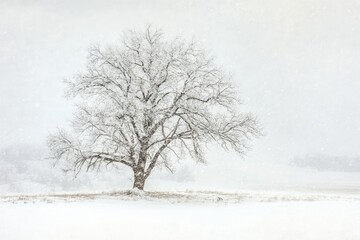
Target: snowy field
194, 216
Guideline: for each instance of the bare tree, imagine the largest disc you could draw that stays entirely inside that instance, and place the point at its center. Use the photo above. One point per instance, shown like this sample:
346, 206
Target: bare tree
146, 102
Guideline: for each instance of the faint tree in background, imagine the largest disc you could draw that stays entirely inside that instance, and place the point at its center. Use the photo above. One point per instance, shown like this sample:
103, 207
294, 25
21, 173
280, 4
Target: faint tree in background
147, 101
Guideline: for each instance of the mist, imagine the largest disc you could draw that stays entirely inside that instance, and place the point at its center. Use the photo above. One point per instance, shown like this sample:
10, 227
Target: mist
295, 64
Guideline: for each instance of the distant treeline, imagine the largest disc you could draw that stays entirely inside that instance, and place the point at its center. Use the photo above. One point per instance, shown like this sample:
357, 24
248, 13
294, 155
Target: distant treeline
26, 169
328, 163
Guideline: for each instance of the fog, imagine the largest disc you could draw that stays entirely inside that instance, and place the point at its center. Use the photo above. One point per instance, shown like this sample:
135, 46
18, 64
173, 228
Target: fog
296, 64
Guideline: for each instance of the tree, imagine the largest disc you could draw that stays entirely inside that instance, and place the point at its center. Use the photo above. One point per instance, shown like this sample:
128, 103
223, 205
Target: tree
148, 101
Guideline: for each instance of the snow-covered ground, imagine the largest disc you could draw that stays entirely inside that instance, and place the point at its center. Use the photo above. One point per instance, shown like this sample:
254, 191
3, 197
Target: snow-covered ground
107, 217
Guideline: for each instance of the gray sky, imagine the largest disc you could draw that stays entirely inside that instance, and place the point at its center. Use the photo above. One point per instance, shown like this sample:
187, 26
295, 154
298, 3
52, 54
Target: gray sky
296, 63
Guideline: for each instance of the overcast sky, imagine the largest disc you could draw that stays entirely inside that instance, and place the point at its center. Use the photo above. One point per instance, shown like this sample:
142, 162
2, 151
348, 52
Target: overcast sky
296, 63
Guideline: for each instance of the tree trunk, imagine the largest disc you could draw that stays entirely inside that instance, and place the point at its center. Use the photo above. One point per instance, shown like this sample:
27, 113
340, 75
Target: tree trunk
139, 180
139, 170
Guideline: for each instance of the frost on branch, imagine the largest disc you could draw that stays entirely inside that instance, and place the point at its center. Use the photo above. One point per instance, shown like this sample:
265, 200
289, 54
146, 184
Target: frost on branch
147, 100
